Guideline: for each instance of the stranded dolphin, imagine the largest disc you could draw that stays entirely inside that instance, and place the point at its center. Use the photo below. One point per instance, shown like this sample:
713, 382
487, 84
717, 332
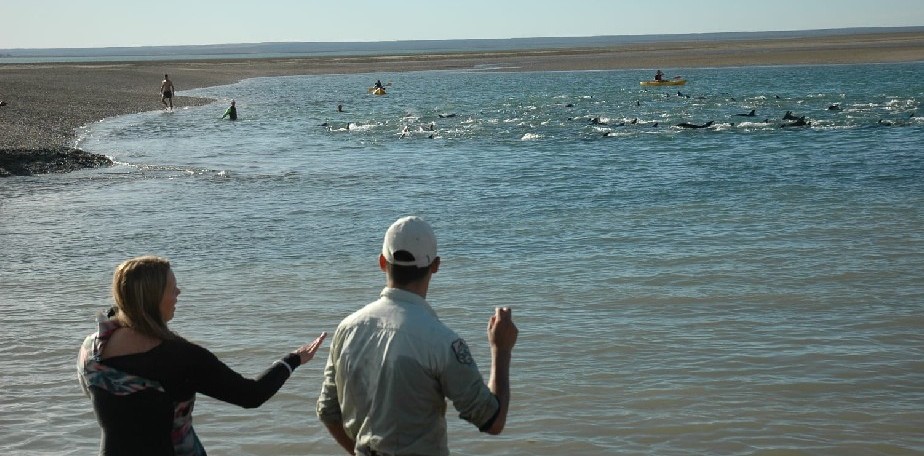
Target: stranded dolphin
689, 125
800, 122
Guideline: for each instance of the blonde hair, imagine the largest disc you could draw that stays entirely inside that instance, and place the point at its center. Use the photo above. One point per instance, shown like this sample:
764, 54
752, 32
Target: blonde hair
138, 289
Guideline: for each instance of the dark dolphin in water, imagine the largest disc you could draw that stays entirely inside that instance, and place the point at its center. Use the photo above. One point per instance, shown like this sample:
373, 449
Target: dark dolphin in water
800, 122
789, 116
753, 113
689, 125
834, 107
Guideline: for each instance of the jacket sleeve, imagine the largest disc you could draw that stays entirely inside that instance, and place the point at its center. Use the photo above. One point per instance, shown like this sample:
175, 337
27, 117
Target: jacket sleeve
329, 411
463, 385
212, 377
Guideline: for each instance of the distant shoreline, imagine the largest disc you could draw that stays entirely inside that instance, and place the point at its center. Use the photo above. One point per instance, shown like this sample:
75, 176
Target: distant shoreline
410, 47
47, 102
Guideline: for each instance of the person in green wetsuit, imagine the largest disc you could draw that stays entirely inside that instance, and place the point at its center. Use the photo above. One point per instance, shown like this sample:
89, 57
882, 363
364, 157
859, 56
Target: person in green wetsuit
231, 113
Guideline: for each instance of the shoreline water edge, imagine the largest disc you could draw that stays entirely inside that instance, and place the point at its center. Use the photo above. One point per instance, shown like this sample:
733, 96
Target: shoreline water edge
45, 103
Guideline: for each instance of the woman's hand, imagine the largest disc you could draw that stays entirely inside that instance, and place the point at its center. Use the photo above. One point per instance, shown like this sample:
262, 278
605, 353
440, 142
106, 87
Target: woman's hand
306, 352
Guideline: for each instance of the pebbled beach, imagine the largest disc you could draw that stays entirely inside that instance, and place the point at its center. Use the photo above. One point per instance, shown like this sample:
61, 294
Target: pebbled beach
46, 102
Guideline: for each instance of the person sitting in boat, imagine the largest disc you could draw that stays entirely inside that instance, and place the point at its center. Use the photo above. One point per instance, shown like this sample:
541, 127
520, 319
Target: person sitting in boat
659, 76
378, 85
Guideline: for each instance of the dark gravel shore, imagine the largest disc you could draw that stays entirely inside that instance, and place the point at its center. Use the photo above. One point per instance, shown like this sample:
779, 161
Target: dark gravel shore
45, 103
27, 162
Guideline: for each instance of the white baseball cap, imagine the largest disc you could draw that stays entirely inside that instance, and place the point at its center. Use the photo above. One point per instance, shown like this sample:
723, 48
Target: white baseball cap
413, 235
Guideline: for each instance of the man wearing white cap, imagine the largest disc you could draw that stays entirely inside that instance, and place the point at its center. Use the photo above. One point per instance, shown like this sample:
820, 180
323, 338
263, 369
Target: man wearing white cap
393, 364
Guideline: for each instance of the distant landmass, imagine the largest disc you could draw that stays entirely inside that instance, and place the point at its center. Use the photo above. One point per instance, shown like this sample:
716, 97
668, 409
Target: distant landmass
290, 49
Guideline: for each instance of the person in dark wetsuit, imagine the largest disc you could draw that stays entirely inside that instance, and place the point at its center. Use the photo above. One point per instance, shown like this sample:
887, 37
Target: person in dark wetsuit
143, 378
231, 113
659, 76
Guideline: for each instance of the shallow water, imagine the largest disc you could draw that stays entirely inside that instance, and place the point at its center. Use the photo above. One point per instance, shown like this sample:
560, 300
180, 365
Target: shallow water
741, 289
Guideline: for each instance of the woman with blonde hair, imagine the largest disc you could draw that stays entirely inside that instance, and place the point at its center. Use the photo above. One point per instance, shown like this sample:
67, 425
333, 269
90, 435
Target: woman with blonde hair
143, 378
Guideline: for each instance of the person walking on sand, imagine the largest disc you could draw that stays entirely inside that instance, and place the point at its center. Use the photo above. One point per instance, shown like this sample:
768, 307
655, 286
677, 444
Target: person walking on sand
142, 377
231, 113
166, 92
393, 363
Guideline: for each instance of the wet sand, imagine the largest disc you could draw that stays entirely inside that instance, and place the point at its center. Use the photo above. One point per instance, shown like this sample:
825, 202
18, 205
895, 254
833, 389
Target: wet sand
46, 103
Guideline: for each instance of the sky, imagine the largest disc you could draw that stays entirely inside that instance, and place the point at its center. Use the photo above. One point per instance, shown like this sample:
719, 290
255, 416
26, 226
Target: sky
116, 23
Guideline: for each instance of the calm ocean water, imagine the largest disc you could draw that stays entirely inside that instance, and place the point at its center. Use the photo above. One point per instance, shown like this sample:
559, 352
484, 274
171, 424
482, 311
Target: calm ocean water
740, 289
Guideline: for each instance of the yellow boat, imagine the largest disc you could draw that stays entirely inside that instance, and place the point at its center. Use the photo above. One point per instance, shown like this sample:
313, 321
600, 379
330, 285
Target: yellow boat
664, 82
378, 91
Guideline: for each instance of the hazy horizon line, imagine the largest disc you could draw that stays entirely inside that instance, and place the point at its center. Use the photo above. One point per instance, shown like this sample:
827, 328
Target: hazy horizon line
326, 47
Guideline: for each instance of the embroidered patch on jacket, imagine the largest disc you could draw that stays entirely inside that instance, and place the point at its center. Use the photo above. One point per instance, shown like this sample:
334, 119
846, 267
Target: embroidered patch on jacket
460, 348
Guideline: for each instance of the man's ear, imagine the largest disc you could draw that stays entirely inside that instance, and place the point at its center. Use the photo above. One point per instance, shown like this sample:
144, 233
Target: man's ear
435, 265
382, 262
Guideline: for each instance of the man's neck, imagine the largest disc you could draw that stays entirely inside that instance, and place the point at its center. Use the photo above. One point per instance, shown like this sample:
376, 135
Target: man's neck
419, 288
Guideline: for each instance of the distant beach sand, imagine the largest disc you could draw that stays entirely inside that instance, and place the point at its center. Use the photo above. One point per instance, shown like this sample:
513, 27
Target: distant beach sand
46, 103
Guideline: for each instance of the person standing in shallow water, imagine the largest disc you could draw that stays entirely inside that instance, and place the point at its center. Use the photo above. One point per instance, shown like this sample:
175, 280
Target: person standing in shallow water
166, 92
231, 113
393, 363
142, 378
